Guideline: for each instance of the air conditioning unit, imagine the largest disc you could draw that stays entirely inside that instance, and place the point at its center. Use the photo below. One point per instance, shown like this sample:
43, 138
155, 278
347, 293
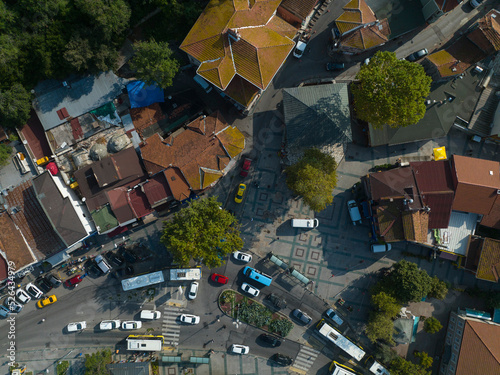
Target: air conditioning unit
498, 191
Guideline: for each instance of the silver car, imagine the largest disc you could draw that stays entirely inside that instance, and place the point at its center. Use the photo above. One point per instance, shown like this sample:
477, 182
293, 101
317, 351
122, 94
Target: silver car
22, 296
301, 316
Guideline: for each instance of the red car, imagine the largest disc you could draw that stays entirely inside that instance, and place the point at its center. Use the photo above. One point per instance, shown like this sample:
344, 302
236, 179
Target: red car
74, 281
221, 279
245, 167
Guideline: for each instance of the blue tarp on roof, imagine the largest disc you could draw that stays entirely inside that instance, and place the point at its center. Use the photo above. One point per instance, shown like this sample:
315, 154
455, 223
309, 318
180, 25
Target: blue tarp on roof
141, 95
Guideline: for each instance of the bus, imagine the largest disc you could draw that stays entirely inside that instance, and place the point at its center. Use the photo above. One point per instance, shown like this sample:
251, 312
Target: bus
185, 274
143, 280
257, 276
340, 369
146, 343
342, 342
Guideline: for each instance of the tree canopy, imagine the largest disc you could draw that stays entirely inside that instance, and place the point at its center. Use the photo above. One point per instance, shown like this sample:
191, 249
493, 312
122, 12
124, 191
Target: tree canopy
432, 325
154, 63
401, 366
380, 327
95, 363
314, 177
406, 282
391, 91
202, 231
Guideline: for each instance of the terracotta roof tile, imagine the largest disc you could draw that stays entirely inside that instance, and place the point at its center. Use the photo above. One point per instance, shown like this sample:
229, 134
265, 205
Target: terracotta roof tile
282, 27
446, 64
201, 145
146, 116
300, 8
241, 91
177, 184
390, 222
156, 190
415, 226
34, 133
480, 345
367, 37
122, 210
12, 243
466, 51
256, 28
477, 181
356, 13
492, 219
209, 177
489, 262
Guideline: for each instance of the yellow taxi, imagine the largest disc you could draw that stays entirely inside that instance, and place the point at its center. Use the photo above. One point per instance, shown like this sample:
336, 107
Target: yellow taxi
239, 195
46, 301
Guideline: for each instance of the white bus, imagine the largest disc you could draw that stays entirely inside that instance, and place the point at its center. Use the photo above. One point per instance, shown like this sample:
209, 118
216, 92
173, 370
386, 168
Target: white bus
342, 342
185, 274
143, 280
147, 343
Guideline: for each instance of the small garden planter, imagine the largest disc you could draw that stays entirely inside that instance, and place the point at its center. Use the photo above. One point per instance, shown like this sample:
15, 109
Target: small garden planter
249, 311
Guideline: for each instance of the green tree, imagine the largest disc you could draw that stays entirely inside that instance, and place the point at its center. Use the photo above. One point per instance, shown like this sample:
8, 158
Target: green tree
386, 304
39, 14
5, 152
95, 363
407, 282
78, 53
424, 360
438, 288
432, 325
154, 63
380, 327
15, 106
314, 177
202, 231
401, 366
390, 91
110, 17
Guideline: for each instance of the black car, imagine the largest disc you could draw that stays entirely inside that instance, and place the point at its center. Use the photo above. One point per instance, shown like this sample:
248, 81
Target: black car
281, 359
270, 340
114, 258
335, 66
92, 269
117, 274
129, 256
54, 280
276, 301
301, 316
44, 284
418, 55
129, 270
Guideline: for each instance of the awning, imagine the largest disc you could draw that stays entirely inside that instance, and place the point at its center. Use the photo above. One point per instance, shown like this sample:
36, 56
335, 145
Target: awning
171, 359
299, 276
440, 153
278, 262
199, 360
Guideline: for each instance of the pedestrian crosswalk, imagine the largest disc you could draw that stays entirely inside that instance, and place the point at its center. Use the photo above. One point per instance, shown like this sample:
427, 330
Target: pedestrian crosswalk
305, 359
170, 328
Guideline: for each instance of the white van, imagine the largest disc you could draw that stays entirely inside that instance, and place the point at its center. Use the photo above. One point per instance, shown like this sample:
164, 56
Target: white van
381, 248
102, 264
204, 84
150, 314
24, 166
305, 223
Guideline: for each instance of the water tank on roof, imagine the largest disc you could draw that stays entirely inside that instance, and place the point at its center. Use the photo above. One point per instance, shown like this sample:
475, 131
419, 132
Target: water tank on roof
98, 152
118, 142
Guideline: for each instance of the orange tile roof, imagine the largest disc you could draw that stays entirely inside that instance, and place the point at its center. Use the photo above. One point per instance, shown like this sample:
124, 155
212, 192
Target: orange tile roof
300, 8
356, 13
199, 152
446, 64
177, 184
480, 345
241, 91
368, 37
263, 44
146, 116
13, 244
489, 262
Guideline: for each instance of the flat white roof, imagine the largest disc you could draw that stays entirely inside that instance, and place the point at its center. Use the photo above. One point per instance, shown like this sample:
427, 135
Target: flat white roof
143, 280
455, 238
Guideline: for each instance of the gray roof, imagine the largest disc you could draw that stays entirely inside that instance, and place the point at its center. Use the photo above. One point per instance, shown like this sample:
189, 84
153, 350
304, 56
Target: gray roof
58, 209
440, 115
317, 116
130, 368
85, 94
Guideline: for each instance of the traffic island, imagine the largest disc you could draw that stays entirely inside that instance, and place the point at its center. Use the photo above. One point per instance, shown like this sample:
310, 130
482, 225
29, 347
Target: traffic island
249, 311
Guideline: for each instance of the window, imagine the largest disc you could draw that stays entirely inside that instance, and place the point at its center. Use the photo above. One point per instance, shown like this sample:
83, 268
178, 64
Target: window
460, 323
457, 340
451, 370
452, 319
459, 332
449, 335
453, 358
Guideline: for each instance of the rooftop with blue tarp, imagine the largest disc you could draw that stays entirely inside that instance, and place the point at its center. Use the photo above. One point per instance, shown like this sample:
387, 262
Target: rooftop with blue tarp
142, 95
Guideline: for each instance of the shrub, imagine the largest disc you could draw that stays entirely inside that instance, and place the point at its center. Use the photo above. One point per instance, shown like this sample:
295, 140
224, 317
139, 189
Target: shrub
439, 289
432, 325
281, 326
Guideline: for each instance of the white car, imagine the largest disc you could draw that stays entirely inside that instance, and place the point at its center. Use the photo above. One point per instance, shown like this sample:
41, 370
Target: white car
299, 49
354, 213
239, 349
106, 325
189, 319
13, 305
247, 288
23, 296
242, 257
77, 326
131, 324
193, 290
34, 291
